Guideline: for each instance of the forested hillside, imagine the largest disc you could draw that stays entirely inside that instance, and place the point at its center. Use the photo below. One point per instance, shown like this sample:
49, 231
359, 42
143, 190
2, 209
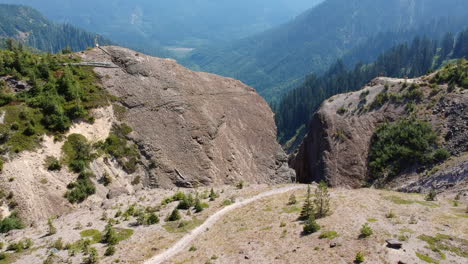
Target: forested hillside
410, 59
153, 25
276, 61
32, 28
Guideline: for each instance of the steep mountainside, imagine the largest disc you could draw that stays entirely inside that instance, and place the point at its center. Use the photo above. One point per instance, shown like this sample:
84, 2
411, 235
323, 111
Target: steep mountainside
409, 59
192, 128
63, 143
29, 26
276, 60
394, 132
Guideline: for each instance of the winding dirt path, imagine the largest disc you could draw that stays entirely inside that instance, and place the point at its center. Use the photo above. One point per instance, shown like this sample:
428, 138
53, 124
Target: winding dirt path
188, 238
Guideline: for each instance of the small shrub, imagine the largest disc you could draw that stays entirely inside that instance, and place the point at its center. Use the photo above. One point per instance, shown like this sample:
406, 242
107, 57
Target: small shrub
152, 219
93, 257
390, 214
440, 155
292, 199
240, 185
192, 248
52, 230
110, 251
359, 258
58, 244
366, 231
52, 164
81, 189
431, 196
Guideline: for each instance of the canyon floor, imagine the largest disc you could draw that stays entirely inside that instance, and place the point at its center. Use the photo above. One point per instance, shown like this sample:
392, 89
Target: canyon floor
265, 230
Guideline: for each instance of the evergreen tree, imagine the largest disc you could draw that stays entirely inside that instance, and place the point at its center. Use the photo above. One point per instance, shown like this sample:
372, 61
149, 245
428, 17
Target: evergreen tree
311, 226
213, 195
110, 235
307, 208
198, 206
153, 219
174, 216
322, 201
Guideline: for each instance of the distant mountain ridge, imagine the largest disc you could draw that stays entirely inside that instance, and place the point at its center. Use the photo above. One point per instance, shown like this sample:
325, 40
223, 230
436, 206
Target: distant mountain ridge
152, 25
29, 26
276, 60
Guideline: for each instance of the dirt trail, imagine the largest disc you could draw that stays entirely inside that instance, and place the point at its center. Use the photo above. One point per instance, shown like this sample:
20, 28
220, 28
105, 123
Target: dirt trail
187, 239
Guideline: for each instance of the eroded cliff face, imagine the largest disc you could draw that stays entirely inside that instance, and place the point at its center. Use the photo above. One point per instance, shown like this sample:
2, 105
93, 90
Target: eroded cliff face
338, 144
192, 128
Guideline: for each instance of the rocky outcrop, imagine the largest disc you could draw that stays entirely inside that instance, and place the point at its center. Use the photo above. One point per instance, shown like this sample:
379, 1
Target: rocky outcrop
337, 146
192, 128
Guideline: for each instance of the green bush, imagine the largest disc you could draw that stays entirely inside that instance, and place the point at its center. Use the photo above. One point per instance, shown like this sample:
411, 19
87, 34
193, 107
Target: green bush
366, 231
359, 258
78, 153
110, 251
440, 155
10, 223
400, 145
52, 164
80, 189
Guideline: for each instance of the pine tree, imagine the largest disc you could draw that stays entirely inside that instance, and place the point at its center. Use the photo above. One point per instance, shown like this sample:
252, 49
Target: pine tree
174, 216
307, 208
198, 206
322, 201
110, 236
311, 226
213, 195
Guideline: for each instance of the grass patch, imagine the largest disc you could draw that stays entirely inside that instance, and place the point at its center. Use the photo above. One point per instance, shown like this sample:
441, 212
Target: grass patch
329, 235
266, 228
182, 226
123, 233
399, 200
94, 234
426, 258
407, 230
442, 242
372, 220
291, 209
